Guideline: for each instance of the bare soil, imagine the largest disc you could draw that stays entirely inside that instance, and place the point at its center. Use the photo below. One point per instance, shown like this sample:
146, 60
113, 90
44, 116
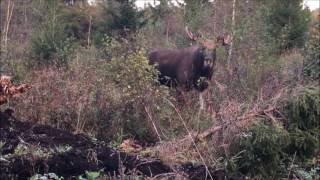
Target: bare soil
83, 154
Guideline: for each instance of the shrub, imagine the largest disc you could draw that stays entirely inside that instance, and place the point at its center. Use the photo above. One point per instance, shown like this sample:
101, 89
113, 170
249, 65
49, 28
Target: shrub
260, 150
287, 23
136, 93
312, 55
267, 150
50, 45
303, 112
121, 94
303, 108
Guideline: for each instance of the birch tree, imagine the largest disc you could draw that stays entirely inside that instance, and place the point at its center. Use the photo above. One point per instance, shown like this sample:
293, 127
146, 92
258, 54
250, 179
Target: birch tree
233, 24
10, 7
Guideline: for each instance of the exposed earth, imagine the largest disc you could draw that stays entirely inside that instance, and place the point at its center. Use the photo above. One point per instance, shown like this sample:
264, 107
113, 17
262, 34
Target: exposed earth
29, 148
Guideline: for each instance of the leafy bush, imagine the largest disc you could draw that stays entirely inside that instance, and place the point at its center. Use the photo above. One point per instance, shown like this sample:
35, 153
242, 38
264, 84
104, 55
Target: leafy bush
303, 112
260, 150
267, 150
121, 94
288, 23
312, 54
303, 108
135, 89
119, 18
50, 45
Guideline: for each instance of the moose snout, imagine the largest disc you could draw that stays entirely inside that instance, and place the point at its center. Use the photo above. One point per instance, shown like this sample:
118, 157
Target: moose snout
207, 63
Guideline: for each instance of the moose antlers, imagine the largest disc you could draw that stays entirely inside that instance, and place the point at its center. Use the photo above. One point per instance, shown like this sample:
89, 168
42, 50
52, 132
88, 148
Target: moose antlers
192, 36
224, 40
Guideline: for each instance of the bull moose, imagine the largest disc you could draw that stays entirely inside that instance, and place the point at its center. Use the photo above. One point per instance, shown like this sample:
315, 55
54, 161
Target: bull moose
186, 67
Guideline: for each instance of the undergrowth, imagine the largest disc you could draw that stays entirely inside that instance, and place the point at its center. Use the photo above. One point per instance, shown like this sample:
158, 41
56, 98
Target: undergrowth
267, 150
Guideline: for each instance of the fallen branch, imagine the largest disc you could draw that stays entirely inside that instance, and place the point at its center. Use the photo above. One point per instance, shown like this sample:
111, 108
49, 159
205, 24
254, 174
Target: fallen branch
8, 90
237, 122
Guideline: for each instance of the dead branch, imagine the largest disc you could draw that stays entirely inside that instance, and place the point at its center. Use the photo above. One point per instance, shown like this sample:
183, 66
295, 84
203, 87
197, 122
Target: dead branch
8, 90
238, 121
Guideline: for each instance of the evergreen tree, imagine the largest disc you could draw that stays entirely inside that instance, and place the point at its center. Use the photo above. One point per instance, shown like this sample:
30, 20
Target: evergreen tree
122, 14
287, 23
195, 11
312, 50
118, 17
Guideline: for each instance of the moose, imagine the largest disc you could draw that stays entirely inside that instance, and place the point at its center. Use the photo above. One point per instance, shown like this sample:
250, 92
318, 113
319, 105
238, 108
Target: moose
189, 67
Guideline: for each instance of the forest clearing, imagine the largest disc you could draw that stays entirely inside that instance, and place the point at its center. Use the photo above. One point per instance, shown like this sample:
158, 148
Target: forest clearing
175, 89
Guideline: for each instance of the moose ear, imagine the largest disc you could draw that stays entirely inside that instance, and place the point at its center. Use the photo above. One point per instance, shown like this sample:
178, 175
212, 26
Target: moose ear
227, 40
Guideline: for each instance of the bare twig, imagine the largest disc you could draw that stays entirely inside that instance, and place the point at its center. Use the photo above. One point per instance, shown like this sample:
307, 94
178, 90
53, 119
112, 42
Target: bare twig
237, 122
89, 30
153, 123
291, 166
192, 139
164, 176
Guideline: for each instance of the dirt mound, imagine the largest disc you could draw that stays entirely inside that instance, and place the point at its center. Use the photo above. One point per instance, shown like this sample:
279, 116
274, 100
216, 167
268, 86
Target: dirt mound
28, 149
81, 153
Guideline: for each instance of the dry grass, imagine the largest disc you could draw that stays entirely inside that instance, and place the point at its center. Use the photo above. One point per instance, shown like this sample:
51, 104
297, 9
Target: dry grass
61, 98
207, 146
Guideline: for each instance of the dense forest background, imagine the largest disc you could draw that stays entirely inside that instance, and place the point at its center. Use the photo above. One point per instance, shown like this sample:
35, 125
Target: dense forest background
89, 72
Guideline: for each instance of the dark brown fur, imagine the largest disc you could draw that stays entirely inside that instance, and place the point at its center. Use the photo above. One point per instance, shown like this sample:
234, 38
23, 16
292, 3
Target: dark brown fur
184, 66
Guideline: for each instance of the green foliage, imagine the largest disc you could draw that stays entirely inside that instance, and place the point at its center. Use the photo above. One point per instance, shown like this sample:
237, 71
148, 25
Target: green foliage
113, 48
90, 175
261, 147
118, 139
303, 143
287, 23
50, 45
195, 11
312, 54
117, 17
303, 112
135, 91
119, 92
266, 150
75, 22
303, 109
160, 11
308, 175
126, 17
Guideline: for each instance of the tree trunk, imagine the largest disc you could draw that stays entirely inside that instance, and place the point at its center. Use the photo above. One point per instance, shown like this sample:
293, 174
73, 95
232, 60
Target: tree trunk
7, 23
214, 17
233, 24
89, 30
